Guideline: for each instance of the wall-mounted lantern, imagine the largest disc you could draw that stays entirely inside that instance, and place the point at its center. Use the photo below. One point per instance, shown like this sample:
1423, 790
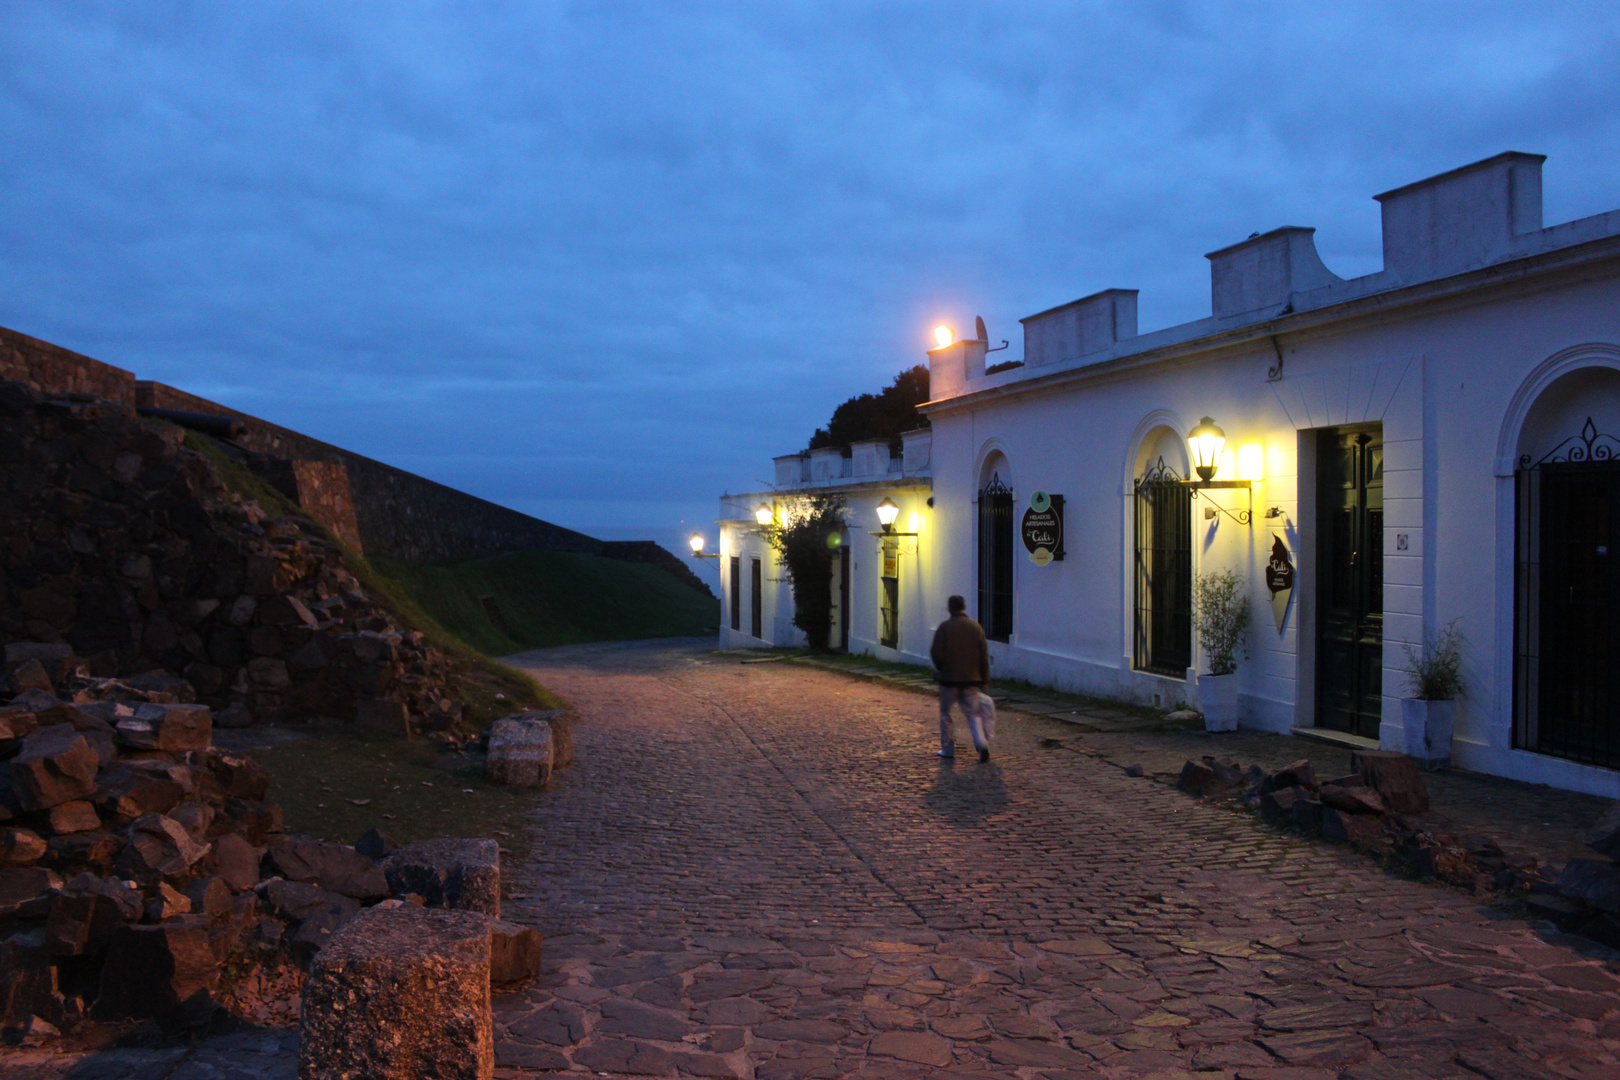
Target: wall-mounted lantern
887, 512
763, 514
944, 335
695, 542
1206, 443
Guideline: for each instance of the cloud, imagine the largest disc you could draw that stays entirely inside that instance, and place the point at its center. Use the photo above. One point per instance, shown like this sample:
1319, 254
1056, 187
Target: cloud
542, 251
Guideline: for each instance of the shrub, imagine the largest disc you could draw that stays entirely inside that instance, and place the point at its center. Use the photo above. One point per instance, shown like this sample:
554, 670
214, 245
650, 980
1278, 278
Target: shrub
808, 535
1222, 600
1435, 670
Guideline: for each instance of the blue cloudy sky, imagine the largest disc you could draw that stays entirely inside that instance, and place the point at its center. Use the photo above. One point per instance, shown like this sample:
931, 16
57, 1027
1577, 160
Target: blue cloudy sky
600, 261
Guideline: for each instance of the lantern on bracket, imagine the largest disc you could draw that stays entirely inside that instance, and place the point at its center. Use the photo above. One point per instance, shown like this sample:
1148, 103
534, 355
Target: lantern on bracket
1206, 441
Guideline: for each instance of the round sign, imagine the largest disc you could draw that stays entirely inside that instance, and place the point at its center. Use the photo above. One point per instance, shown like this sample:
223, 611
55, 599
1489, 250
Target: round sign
1040, 502
1040, 556
1042, 532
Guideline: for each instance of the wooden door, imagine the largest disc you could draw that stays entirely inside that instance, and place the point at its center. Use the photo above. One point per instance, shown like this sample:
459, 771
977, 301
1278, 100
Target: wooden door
1350, 579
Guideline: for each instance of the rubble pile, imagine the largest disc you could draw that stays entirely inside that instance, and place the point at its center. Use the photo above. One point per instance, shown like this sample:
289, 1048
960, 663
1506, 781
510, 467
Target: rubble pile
139, 863
1377, 808
125, 546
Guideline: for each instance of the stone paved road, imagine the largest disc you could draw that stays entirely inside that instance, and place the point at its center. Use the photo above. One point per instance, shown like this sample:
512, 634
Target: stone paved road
762, 870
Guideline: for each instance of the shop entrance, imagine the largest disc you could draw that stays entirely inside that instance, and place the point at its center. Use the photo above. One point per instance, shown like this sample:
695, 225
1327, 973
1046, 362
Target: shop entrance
1350, 579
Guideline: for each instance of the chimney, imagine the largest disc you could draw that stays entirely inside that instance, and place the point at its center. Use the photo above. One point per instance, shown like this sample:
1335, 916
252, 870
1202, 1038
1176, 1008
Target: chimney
1080, 327
1461, 220
1264, 271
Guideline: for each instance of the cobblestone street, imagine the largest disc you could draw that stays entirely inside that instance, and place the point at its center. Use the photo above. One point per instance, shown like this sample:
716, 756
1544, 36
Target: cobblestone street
763, 869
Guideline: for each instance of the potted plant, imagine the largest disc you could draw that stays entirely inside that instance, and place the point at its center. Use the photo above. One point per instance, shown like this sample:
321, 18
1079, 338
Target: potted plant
1222, 602
1429, 715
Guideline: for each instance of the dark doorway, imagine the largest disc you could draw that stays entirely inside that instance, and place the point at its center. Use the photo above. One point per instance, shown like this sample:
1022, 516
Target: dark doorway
736, 593
756, 600
843, 599
1350, 579
1163, 572
996, 560
1568, 605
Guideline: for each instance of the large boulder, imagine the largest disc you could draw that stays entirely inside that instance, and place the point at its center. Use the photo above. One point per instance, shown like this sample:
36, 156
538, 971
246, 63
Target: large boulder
1395, 777
1591, 882
400, 992
336, 867
520, 752
1604, 838
514, 952
56, 765
464, 874
158, 847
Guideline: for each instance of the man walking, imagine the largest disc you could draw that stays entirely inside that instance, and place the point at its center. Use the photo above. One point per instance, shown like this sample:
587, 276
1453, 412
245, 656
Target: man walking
961, 658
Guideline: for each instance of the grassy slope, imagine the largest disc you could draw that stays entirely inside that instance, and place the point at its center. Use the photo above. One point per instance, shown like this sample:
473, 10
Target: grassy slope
554, 598
481, 678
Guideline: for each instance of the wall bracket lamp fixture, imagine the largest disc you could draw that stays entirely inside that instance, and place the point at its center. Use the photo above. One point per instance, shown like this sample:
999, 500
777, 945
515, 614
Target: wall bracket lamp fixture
695, 542
887, 511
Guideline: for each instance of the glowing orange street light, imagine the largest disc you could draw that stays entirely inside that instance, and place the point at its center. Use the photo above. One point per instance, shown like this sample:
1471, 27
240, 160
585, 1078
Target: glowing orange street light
944, 335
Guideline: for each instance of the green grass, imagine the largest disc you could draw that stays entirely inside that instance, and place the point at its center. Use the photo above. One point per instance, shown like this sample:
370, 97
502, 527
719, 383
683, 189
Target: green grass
553, 598
415, 792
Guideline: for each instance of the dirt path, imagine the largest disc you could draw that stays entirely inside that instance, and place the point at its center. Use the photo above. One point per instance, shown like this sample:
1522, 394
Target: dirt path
762, 870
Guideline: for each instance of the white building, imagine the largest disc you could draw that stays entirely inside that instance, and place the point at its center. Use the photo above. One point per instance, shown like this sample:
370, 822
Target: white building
1431, 443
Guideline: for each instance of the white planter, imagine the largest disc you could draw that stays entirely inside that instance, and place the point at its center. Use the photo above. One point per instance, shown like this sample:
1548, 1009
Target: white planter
1427, 726
1217, 700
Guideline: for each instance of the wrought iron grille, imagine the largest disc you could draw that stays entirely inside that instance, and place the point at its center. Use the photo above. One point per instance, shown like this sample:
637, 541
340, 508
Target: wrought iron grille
736, 593
1567, 601
996, 559
756, 600
1163, 572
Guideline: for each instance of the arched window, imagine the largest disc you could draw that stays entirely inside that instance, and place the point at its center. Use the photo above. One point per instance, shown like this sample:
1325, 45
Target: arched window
996, 558
1566, 691
1163, 569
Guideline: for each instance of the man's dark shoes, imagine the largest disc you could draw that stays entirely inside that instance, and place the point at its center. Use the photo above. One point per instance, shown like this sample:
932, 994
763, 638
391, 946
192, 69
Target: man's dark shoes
984, 755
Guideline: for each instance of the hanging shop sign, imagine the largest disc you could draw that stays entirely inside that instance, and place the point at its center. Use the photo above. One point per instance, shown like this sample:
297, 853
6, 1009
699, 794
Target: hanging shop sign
1042, 528
1280, 577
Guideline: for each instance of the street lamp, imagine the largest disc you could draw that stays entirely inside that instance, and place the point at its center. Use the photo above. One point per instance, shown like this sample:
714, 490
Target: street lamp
762, 514
944, 335
1206, 442
696, 543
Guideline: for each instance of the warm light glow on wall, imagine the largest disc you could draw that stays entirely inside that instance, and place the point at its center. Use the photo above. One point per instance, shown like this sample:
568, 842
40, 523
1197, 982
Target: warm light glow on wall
1251, 462
914, 522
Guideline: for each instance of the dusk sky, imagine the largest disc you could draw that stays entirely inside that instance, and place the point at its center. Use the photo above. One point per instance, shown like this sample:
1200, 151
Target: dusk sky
600, 261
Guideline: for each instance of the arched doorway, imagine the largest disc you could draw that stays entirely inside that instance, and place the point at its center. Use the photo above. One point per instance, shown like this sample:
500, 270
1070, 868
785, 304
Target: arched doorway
1163, 564
996, 548
1566, 691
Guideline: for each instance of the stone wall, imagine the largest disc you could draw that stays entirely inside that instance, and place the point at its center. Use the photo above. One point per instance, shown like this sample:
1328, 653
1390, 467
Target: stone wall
374, 507
397, 513
50, 367
321, 489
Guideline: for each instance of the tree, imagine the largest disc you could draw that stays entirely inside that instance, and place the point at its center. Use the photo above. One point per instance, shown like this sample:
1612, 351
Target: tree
809, 535
884, 415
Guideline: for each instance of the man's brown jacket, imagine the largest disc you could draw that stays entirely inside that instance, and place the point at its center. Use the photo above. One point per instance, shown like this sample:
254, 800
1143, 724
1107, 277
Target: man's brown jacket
960, 653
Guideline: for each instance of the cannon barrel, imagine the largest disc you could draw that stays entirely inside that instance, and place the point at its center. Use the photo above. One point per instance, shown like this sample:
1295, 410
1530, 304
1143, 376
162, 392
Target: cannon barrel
220, 427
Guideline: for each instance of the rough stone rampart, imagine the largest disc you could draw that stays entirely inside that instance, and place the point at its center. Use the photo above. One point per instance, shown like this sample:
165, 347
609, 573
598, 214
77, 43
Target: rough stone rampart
397, 513
50, 367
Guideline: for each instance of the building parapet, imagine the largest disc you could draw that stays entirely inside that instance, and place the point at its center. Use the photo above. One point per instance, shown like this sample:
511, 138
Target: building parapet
1468, 219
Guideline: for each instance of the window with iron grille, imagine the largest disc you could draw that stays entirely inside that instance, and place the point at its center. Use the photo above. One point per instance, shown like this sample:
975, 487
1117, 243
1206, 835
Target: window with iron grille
1567, 601
996, 559
756, 600
736, 593
1163, 572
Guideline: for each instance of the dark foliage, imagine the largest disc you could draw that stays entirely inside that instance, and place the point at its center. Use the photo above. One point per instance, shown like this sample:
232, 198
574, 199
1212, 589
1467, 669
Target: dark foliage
1005, 365
806, 541
883, 415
